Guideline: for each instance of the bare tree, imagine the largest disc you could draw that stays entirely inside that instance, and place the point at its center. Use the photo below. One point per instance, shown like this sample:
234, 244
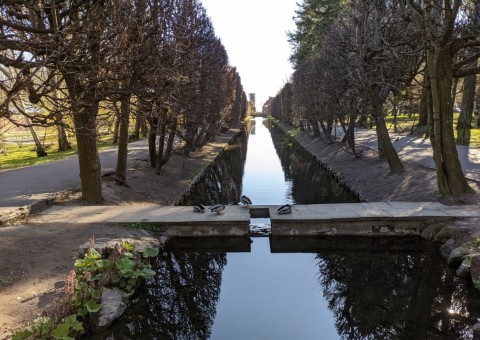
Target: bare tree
447, 35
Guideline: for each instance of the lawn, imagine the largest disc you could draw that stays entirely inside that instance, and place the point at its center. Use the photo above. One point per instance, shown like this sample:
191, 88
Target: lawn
25, 155
406, 125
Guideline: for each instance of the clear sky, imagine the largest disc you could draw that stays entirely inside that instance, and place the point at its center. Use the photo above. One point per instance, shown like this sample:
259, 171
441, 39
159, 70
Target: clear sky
254, 32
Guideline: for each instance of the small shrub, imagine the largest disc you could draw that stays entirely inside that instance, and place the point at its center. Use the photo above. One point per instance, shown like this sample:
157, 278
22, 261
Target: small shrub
84, 285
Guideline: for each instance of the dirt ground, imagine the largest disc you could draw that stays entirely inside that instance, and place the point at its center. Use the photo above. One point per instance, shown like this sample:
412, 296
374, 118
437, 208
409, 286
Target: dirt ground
35, 257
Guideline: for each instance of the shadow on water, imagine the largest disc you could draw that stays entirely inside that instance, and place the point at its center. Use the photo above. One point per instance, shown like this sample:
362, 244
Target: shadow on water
400, 291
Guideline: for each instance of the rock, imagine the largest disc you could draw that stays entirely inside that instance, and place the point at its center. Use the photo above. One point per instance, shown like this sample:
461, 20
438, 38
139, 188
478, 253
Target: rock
431, 230
475, 267
463, 271
106, 245
114, 302
456, 231
447, 248
456, 257
476, 331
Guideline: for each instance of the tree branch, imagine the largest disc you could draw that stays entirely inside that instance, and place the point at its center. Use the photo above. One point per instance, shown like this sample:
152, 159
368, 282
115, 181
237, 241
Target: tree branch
466, 72
25, 28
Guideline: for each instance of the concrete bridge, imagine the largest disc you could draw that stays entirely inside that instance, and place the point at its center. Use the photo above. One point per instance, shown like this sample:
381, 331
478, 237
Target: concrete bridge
339, 219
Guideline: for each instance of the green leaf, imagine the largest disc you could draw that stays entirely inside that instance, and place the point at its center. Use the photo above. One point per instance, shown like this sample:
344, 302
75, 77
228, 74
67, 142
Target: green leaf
146, 273
129, 246
99, 277
92, 306
125, 266
151, 252
82, 311
78, 326
70, 323
97, 294
102, 263
61, 331
21, 334
82, 286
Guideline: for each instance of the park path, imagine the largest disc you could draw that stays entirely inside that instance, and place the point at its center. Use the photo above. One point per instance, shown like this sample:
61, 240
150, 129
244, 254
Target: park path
418, 150
28, 185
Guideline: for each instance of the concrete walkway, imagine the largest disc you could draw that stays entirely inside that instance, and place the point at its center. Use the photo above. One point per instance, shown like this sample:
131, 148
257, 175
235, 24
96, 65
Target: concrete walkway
367, 219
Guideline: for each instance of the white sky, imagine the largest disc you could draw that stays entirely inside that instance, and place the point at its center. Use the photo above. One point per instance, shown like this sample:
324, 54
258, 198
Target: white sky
254, 32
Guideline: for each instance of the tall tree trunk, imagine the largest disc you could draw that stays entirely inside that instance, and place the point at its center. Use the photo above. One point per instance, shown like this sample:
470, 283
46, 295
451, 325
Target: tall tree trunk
144, 127
121, 171
116, 128
386, 145
89, 161
468, 99
85, 112
38, 145
162, 130
450, 177
63, 142
171, 139
423, 109
138, 121
152, 136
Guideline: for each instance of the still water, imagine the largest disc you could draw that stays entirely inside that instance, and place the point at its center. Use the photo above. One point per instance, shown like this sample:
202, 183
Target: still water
270, 169
294, 288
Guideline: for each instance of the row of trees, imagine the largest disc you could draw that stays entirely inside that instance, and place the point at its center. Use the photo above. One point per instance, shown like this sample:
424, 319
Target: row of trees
156, 60
352, 57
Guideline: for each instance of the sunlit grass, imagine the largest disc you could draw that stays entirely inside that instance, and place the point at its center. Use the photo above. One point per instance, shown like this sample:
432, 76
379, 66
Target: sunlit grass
20, 156
406, 124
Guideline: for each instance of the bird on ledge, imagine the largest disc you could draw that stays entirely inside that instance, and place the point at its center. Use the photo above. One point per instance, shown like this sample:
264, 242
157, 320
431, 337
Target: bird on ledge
285, 209
199, 208
217, 208
245, 201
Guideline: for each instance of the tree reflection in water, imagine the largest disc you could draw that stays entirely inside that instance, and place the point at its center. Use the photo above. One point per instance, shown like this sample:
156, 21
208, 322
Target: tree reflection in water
395, 295
310, 183
179, 303
221, 182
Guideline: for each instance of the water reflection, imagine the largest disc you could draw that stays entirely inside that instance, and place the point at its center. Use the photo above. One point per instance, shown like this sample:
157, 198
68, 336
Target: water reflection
274, 171
399, 291
396, 295
179, 303
310, 183
222, 181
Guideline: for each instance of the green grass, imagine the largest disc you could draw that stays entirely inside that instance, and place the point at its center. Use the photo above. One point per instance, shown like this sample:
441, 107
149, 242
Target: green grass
471, 138
27, 156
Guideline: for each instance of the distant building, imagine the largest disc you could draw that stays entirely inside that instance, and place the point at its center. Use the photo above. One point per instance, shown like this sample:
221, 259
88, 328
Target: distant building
267, 107
251, 104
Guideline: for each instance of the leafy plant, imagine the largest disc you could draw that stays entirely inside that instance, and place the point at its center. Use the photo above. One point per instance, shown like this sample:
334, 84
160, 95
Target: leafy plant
84, 286
43, 327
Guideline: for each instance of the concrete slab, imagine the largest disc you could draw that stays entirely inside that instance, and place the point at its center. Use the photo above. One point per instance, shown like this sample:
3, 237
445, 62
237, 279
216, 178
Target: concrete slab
170, 220
365, 219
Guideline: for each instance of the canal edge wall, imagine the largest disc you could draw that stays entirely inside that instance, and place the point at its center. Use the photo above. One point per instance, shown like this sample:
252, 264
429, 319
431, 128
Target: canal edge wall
242, 128
336, 174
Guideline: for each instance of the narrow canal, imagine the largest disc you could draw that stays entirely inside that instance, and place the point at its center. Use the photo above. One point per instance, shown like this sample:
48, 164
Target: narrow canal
294, 288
